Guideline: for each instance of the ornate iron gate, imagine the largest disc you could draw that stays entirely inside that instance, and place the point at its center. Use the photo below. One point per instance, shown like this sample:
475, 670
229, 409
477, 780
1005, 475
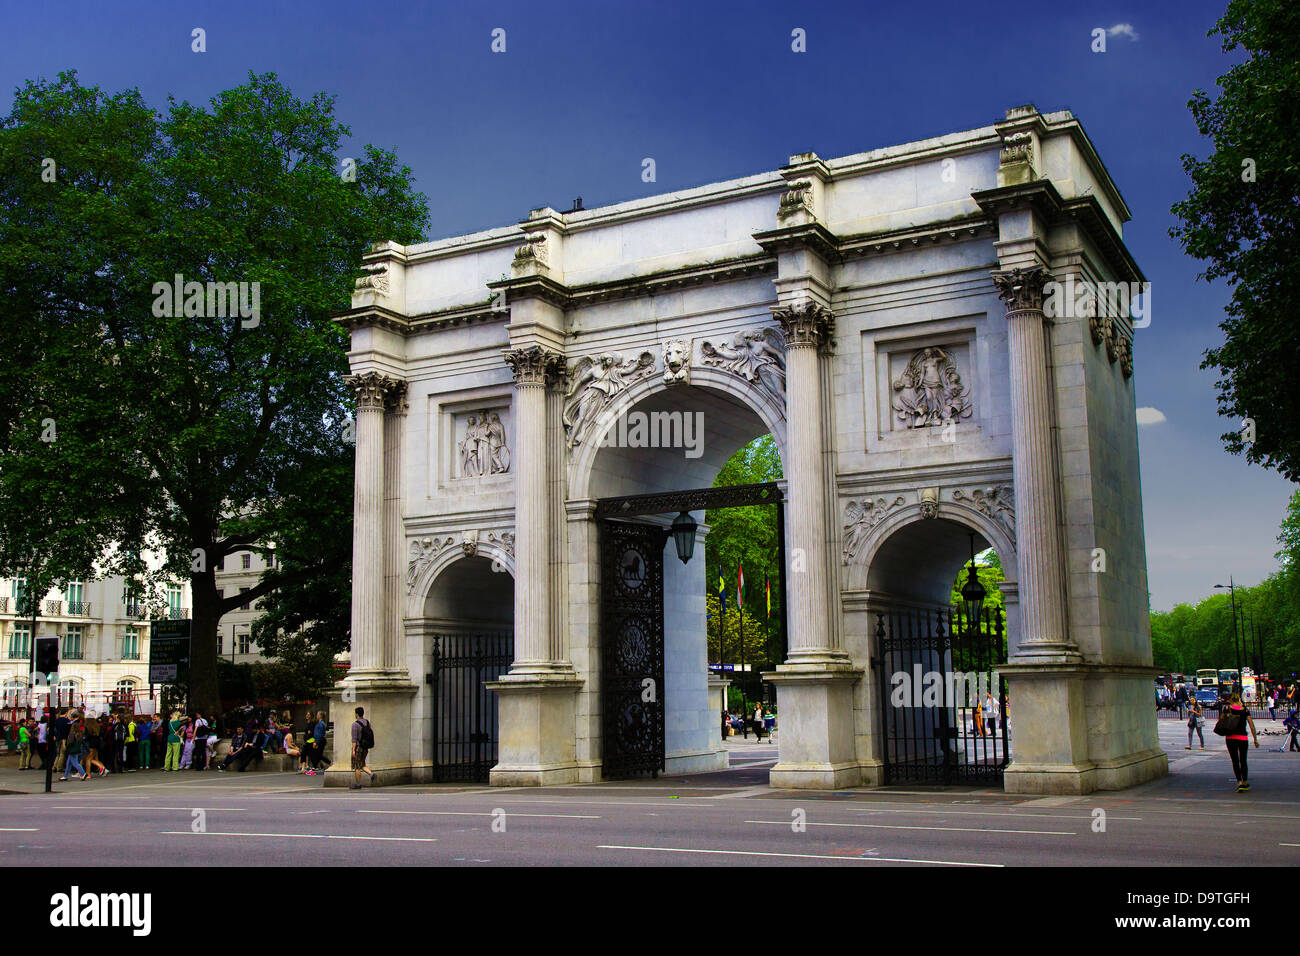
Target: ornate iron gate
933, 669
464, 712
631, 648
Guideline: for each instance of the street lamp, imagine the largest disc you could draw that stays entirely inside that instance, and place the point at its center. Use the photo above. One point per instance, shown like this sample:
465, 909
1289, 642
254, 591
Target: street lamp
972, 592
1231, 588
683, 532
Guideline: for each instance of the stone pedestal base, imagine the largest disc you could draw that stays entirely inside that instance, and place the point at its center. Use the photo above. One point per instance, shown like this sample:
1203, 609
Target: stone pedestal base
387, 702
816, 716
1086, 727
538, 729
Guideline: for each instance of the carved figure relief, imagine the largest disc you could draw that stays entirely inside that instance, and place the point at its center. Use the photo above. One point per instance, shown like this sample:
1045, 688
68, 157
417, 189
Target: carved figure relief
483, 450
677, 362
995, 501
594, 380
861, 518
423, 551
757, 355
930, 391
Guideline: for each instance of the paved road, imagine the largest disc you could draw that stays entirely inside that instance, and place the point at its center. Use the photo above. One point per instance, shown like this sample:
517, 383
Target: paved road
1192, 818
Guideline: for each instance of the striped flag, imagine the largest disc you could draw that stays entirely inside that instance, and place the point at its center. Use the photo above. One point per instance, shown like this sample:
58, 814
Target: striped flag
740, 586
767, 586
722, 593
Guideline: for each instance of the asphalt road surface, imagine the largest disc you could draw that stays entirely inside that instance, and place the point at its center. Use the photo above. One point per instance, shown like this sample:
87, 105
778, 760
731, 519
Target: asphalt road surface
1191, 818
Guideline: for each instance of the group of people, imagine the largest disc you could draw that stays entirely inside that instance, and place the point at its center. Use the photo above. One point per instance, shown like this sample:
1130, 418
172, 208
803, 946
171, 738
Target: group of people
744, 721
79, 745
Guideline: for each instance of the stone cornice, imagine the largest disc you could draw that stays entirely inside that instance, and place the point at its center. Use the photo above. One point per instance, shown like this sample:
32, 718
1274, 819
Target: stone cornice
670, 280
1039, 195
897, 240
372, 316
814, 236
533, 287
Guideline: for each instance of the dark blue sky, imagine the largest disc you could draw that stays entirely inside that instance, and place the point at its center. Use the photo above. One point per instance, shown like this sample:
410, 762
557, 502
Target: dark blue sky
712, 91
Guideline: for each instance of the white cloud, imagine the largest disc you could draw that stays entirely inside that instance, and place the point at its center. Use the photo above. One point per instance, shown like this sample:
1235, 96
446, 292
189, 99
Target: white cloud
1150, 416
1123, 30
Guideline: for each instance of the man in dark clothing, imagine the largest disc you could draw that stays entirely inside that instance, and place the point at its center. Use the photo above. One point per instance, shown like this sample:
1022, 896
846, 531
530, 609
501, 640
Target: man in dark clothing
236, 745
61, 728
250, 751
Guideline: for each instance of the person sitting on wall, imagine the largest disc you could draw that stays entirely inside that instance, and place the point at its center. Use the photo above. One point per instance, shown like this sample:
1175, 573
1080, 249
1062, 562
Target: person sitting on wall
250, 752
236, 745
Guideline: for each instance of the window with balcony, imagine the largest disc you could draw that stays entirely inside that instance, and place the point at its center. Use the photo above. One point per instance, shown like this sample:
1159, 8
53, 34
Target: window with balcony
174, 610
20, 643
72, 647
18, 591
75, 596
131, 644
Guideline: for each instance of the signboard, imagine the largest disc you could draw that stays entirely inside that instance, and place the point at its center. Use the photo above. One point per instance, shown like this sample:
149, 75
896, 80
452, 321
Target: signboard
169, 651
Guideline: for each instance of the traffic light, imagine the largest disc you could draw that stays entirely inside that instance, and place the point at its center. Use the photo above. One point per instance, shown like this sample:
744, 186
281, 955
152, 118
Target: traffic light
47, 655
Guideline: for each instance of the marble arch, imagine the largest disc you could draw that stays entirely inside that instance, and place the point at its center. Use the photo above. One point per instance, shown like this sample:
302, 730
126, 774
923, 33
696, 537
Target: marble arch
883, 316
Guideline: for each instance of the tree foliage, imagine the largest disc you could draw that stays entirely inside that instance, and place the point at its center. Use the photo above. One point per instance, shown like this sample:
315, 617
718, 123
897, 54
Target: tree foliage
185, 429
1242, 218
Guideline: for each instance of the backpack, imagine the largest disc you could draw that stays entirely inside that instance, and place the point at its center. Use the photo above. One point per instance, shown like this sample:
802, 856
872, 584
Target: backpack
367, 738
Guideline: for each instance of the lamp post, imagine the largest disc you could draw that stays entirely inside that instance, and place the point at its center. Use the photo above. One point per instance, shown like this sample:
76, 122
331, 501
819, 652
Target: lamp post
972, 592
1232, 593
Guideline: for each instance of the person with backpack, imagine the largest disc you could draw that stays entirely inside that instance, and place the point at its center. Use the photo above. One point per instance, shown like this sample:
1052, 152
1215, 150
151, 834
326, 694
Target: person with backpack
363, 741
72, 752
1195, 724
1232, 724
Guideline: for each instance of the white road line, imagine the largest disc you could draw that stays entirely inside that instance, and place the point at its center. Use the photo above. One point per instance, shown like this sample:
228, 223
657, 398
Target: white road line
302, 836
19, 829
1289, 844
479, 813
797, 856
186, 809
994, 813
891, 826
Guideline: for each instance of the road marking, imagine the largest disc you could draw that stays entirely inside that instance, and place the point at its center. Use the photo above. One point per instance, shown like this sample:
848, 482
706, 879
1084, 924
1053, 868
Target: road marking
994, 813
302, 836
186, 809
891, 826
797, 856
19, 829
747, 792
477, 813
1289, 844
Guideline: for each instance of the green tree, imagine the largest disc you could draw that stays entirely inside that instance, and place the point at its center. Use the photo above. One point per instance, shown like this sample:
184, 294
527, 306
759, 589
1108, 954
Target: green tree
207, 422
1242, 218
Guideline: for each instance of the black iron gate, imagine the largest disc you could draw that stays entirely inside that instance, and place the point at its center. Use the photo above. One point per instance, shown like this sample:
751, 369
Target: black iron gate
464, 711
943, 704
631, 648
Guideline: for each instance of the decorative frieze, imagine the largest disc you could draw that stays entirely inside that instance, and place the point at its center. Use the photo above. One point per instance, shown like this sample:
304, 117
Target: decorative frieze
860, 517
594, 380
424, 551
796, 200
930, 390
994, 501
677, 362
484, 450
375, 280
757, 355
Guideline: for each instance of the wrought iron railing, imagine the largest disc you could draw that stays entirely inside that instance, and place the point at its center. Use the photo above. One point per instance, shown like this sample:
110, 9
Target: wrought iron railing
73, 654
79, 608
54, 608
177, 613
4, 605
133, 611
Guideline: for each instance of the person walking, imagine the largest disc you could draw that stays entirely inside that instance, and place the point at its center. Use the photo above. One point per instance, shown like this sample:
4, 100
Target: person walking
363, 739
319, 732
758, 723
726, 718
1232, 725
43, 740
199, 759
978, 714
144, 743
171, 762
1272, 705
107, 743
1195, 723
131, 746
62, 727
992, 712
72, 752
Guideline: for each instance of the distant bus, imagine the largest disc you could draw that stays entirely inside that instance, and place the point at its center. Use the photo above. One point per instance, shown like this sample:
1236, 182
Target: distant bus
1207, 685
1229, 680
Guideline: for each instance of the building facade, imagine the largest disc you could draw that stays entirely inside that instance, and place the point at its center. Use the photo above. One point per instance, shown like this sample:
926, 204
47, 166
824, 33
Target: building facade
889, 318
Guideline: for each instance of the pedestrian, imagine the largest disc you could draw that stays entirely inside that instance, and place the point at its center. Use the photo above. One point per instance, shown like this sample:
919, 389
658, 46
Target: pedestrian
72, 751
199, 760
119, 741
62, 727
92, 736
992, 712
43, 740
1232, 724
107, 743
1272, 705
758, 723
171, 762
1195, 723
319, 732
978, 715
131, 746
726, 717
24, 746
144, 742
363, 741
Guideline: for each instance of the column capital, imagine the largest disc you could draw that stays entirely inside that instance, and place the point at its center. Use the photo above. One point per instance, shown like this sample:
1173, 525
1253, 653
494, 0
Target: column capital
534, 365
375, 391
805, 324
1022, 289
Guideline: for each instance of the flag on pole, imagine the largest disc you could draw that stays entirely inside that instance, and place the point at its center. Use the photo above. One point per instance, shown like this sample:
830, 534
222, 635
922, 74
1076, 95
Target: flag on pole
740, 586
722, 593
767, 586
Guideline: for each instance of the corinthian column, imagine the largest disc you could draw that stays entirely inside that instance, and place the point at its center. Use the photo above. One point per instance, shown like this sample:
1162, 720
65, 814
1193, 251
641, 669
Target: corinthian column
534, 368
393, 658
808, 328
1039, 549
368, 557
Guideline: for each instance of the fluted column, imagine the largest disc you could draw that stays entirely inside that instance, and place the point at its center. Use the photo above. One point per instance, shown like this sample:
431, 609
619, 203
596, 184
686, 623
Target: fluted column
1039, 549
393, 656
534, 367
372, 390
808, 328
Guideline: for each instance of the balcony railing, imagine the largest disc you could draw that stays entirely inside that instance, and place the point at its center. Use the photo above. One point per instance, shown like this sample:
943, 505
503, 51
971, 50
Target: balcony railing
133, 611
54, 608
130, 655
79, 608
4, 605
73, 654
177, 613
18, 653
